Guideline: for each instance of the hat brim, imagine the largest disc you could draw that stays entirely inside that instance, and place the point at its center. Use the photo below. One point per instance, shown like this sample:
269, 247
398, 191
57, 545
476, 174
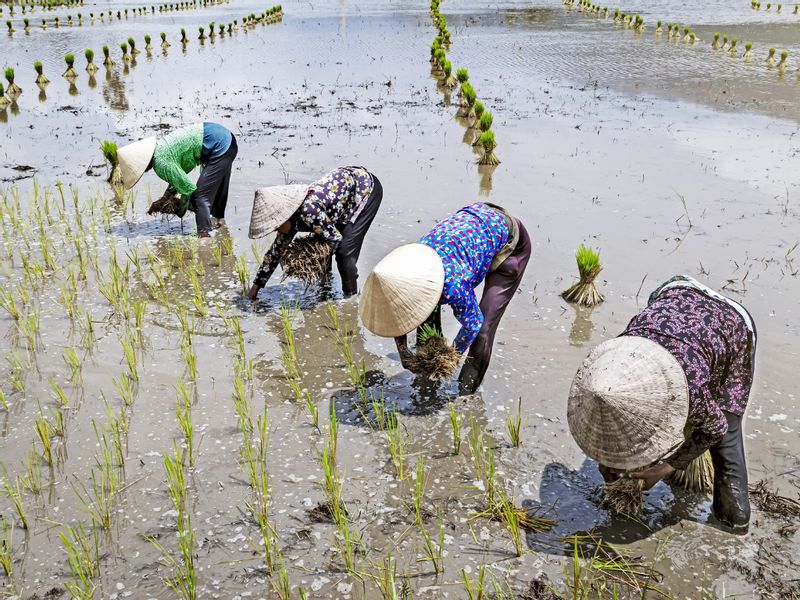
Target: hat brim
402, 290
272, 206
134, 160
628, 403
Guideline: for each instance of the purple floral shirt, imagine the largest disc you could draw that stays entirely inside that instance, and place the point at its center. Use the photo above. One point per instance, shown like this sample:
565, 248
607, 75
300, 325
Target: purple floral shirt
713, 344
467, 241
332, 202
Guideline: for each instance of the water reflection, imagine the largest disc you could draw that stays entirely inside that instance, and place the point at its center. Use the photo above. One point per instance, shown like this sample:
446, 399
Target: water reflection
114, 91
582, 326
486, 172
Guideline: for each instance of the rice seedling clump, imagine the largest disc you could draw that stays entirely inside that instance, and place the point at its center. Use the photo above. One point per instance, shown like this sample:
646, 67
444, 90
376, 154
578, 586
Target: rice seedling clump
307, 258
434, 358
584, 292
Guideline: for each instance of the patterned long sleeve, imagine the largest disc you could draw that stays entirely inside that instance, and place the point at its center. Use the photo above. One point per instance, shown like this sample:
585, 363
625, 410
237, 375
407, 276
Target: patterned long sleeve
314, 215
467, 311
272, 257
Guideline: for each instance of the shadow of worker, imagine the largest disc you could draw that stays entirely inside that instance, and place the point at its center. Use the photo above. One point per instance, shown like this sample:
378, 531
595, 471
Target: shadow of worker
573, 499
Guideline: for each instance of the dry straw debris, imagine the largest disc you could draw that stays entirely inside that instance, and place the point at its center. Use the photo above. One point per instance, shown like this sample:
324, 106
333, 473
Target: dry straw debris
307, 259
770, 502
434, 357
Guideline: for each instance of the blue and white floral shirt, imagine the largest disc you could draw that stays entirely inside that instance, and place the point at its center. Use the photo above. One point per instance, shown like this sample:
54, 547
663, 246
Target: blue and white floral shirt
467, 241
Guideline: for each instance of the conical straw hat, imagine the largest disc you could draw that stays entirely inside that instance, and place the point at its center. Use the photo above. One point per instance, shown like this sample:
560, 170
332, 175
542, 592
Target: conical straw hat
274, 205
133, 160
402, 290
628, 403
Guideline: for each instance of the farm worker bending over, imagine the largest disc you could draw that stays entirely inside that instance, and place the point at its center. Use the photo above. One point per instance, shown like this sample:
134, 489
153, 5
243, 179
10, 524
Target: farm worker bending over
408, 287
673, 385
339, 208
209, 145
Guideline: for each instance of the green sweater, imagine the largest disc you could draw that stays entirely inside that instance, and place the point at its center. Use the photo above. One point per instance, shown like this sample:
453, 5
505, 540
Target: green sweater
177, 154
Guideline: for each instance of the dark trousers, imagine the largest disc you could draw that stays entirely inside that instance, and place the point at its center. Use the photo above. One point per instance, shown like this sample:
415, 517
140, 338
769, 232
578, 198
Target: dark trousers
731, 505
353, 238
498, 289
211, 196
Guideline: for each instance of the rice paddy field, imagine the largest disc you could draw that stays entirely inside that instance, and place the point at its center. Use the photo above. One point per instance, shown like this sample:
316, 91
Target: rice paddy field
163, 437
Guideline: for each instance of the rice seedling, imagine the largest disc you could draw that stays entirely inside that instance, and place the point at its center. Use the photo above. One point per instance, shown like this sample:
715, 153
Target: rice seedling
148, 46
27, 23
13, 90
434, 357
478, 109
109, 150
485, 120
397, 442
771, 58
449, 81
74, 364
488, 143
418, 489
748, 51
83, 560
33, 471
584, 292
514, 426
108, 62
332, 479
40, 78
132, 46
3, 401
242, 406
14, 494
434, 551
659, 28
183, 414
456, 418
386, 578
7, 549
126, 58
244, 273
190, 359
10, 26
475, 588
70, 73
15, 375
733, 49
9, 304
45, 432
468, 98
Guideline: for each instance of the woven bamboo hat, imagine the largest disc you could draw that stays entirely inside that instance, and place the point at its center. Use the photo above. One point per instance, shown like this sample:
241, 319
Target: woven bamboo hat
402, 290
133, 160
628, 403
273, 205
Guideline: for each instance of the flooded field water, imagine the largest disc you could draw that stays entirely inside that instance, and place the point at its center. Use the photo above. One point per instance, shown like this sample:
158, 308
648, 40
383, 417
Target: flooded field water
669, 157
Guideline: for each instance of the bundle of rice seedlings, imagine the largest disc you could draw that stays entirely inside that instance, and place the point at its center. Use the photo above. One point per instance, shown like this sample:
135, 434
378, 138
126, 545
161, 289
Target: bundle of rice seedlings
4, 102
478, 108
27, 23
770, 502
164, 43
307, 259
771, 58
126, 58
434, 358
715, 43
698, 476
748, 51
70, 73
584, 291
211, 27
184, 39
91, 68
40, 78
485, 120
13, 89
148, 47
487, 141
782, 62
10, 26
462, 76
659, 28
107, 60
168, 204
221, 29
733, 49
44, 24
468, 99
202, 35
448, 79
624, 495
109, 150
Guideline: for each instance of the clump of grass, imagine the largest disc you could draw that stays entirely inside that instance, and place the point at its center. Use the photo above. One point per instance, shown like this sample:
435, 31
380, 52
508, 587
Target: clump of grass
434, 357
487, 141
91, 68
306, 259
624, 495
584, 292
697, 477
13, 90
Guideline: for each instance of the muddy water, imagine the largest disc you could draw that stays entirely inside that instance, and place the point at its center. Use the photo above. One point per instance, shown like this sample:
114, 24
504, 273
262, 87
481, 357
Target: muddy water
667, 157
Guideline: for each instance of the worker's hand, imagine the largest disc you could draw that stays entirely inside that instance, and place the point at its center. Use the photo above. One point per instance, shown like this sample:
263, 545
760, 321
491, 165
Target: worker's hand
654, 474
609, 474
406, 355
253, 293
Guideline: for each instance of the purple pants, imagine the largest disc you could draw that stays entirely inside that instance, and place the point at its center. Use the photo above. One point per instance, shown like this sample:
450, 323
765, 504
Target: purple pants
498, 289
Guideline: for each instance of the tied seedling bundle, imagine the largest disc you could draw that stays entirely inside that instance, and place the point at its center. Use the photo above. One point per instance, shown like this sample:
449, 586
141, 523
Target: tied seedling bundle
307, 259
109, 150
168, 204
434, 358
584, 292
624, 495
698, 476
